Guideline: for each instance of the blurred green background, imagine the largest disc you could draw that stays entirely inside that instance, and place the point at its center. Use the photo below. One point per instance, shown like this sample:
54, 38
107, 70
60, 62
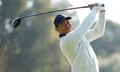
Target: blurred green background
34, 46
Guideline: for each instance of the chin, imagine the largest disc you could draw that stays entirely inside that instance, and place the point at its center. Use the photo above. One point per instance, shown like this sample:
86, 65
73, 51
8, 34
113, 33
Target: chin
68, 31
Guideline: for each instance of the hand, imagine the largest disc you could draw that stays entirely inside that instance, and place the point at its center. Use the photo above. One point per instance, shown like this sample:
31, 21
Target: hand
92, 5
102, 9
97, 7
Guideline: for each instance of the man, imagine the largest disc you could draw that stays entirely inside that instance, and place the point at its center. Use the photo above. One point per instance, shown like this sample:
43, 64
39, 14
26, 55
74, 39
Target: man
75, 44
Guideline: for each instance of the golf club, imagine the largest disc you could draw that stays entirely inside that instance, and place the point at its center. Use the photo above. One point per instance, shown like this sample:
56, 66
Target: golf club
16, 22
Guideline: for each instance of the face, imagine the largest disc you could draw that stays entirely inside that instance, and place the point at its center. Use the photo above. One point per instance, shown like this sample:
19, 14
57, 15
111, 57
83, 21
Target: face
64, 27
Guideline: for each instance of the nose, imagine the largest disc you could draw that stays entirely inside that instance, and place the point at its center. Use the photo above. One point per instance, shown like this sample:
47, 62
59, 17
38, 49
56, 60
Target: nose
68, 26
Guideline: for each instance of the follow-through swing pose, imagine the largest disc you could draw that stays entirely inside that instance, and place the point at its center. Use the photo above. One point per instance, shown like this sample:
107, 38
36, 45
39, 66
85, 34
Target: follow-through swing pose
75, 44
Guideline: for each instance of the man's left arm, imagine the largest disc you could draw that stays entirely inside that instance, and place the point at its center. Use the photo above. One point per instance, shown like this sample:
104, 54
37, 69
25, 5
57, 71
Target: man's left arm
98, 30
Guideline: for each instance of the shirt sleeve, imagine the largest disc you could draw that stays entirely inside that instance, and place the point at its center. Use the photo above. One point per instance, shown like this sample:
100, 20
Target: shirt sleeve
99, 28
74, 37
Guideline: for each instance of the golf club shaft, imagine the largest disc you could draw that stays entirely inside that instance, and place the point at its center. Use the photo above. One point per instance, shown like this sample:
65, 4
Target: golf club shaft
54, 11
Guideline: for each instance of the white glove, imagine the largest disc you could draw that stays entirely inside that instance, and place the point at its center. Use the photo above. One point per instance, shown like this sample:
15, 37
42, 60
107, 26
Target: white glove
102, 9
98, 7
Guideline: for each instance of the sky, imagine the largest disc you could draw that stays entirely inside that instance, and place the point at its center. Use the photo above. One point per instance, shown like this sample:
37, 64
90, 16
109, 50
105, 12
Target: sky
111, 6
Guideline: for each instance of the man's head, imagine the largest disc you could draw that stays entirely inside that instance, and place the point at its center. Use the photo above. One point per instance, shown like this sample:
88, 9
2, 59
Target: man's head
62, 24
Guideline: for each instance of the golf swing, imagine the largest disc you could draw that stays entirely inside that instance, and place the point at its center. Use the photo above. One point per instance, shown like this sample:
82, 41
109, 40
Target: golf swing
16, 22
75, 44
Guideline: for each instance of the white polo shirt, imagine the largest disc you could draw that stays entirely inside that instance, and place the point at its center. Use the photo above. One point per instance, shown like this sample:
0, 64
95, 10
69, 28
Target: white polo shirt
76, 47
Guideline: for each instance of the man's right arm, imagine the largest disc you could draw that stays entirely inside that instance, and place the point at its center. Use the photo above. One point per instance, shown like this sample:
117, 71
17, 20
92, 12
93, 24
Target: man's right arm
74, 37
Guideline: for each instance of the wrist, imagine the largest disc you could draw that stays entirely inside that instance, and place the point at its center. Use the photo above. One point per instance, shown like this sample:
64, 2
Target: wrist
102, 11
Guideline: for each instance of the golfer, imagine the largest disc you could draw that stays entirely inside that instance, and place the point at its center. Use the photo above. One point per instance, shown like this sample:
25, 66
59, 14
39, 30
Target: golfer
75, 44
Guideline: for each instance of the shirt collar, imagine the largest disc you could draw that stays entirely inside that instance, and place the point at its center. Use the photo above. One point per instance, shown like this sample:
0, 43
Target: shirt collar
61, 35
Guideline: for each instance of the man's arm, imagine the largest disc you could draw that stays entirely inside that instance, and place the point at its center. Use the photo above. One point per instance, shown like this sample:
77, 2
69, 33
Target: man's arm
74, 37
99, 29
